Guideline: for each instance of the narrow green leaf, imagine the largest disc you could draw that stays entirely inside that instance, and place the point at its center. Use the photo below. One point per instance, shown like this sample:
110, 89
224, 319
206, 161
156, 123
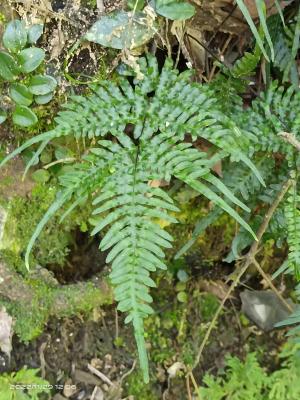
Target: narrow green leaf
220, 202
261, 9
35, 158
252, 26
253, 168
224, 189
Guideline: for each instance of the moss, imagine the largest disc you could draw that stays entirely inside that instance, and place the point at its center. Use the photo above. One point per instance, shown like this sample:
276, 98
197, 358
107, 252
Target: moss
53, 245
89, 3
31, 318
82, 302
136, 387
214, 242
209, 304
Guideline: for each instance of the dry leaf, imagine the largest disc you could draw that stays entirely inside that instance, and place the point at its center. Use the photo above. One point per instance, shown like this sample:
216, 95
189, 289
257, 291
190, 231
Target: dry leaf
217, 288
155, 183
175, 368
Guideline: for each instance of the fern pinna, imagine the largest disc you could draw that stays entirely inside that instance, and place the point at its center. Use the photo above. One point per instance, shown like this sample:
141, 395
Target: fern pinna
140, 127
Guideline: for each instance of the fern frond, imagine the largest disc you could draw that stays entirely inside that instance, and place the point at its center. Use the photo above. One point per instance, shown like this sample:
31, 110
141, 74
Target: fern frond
140, 129
275, 111
292, 214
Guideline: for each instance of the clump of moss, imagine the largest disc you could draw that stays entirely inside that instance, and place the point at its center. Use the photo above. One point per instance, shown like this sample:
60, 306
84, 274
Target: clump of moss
30, 318
53, 245
135, 387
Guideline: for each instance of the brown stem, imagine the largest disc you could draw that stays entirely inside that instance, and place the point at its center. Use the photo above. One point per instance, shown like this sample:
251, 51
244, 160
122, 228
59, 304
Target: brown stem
248, 260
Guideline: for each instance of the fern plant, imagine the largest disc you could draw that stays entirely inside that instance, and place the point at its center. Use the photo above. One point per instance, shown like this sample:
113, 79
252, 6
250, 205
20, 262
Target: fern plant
249, 381
23, 385
137, 129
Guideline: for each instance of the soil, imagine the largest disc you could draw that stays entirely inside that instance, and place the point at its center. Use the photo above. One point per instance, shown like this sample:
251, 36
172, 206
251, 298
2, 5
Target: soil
102, 340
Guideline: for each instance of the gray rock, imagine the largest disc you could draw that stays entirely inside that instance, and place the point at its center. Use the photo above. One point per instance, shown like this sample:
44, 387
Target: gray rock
263, 308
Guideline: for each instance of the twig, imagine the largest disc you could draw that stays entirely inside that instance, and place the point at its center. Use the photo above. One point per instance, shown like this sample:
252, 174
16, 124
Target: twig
117, 325
100, 375
248, 260
128, 372
188, 388
290, 138
270, 283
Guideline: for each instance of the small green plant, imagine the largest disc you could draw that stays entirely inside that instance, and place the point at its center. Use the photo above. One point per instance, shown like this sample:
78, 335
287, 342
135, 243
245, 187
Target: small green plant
249, 381
22, 385
16, 65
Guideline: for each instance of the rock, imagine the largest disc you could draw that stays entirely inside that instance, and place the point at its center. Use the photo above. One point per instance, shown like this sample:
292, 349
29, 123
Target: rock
264, 308
87, 378
6, 331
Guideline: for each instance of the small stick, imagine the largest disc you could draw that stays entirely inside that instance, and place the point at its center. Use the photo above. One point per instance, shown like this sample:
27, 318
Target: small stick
270, 283
100, 375
290, 138
128, 372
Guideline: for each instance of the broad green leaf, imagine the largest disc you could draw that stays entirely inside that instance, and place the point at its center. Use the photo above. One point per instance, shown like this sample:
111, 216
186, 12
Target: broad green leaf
30, 59
34, 33
175, 10
41, 176
3, 116
24, 117
20, 94
40, 85
8, 67
63, 152
44, 98
15, 36
121, 30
